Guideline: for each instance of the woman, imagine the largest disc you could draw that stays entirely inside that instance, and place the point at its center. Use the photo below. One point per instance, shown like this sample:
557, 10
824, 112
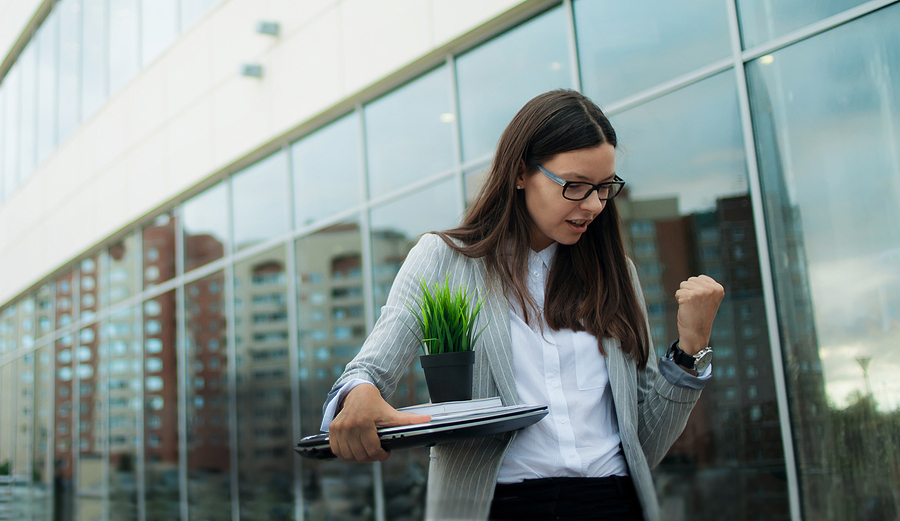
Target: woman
565, 325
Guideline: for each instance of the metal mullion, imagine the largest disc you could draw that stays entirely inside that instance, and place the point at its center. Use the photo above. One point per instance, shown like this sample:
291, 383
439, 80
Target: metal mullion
814, 28
572, 41
231, 351
765, 267
457, 137
326, 222
141, 454
232, 392
669, 86
103, 268
181, 357
368, 289
290, 261
412, 187
294, 360
76, 389
106, 430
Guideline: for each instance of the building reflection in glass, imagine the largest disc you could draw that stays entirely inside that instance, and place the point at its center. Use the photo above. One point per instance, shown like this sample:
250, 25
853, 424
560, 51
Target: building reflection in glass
123, 348
331, 328
208, 433
160, 402
265, 459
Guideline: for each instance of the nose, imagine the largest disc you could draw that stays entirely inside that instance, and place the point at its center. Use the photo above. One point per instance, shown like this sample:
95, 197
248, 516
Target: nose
593, 204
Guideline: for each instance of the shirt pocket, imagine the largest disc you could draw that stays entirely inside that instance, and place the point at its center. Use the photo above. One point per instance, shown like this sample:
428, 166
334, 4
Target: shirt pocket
590, 365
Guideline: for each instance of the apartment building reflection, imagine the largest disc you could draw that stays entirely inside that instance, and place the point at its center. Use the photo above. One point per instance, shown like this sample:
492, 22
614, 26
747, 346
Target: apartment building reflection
732, 443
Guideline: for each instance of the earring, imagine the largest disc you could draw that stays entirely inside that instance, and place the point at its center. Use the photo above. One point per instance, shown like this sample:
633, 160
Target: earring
518, 187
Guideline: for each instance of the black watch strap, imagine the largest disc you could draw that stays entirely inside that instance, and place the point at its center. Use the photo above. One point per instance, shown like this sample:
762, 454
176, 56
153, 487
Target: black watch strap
678, 356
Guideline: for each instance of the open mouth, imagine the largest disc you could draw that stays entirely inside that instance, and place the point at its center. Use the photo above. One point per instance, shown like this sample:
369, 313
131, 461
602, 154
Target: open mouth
579, 225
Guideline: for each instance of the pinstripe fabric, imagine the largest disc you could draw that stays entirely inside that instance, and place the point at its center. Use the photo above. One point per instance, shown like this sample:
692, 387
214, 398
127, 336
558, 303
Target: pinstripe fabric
650, 410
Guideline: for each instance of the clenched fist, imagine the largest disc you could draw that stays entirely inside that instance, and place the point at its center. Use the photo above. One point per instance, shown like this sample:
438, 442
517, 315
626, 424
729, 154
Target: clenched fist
698, 300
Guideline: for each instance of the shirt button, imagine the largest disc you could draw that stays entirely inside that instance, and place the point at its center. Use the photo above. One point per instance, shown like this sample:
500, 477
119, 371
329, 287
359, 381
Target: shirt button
555, 384
563, 420
536, 274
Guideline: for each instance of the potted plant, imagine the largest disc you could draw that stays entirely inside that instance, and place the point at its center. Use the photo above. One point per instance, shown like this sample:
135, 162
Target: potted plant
446, 322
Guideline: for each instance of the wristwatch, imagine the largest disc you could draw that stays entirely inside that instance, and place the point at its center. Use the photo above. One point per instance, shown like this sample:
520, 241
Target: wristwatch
698, 362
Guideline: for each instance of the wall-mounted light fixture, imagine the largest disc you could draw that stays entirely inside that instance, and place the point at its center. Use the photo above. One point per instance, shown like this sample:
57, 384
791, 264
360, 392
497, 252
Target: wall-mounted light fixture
270, 28
252, 70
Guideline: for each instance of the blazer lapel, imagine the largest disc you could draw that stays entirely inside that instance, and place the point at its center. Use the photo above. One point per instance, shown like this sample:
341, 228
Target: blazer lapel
496, 340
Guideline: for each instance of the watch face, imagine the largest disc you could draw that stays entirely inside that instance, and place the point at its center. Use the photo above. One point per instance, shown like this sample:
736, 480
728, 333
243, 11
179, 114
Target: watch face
703, 362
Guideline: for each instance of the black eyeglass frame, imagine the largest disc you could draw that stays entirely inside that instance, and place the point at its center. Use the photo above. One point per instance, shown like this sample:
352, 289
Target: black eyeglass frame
616, 185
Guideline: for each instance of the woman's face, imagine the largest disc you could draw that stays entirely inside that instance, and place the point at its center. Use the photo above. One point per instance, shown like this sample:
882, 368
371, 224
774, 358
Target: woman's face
555, 218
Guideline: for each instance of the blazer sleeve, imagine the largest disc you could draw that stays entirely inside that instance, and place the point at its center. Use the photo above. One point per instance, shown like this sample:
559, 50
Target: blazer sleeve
392, 345
663, 407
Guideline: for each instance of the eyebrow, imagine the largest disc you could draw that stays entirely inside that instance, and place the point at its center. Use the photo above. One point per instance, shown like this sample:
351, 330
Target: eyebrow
581, 178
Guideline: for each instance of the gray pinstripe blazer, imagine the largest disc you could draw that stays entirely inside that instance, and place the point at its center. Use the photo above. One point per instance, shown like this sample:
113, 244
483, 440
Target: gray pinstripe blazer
651, 411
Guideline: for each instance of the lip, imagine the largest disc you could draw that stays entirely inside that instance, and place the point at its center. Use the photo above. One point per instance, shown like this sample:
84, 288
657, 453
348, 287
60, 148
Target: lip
576, 227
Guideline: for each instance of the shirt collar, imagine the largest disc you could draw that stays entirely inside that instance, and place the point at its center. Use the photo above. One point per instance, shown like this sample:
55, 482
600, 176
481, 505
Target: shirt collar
546, 255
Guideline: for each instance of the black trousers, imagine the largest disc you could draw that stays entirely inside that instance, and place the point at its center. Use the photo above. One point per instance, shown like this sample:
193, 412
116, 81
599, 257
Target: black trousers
612, 498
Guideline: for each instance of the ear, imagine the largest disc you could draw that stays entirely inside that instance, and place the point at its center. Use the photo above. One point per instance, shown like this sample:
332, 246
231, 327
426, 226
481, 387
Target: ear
520, 179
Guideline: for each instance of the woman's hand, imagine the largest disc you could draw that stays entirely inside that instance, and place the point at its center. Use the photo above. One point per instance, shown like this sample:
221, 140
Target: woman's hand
698, 300
352, 432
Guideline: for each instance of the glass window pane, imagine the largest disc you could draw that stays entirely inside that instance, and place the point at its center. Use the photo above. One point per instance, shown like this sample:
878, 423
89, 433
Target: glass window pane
326, 173
394, 233
43, 433
92, 274
47, 102
825, 113
409, 133
330, 295
260, 201
764, 21
122, 278
626, 47
474, 178
160, 390
94, 56
205, 219
22, 498
45, 315
193, 10
208, 433
91, 419
686, 211
28, 156
11, 127
122, 358
123, 42
7, 425
265, 461
65, 421
158, 248
522, 63
8, 341
69, 66
159, 27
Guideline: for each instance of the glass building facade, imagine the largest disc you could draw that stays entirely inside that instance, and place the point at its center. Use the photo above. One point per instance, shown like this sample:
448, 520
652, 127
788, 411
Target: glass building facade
167, 372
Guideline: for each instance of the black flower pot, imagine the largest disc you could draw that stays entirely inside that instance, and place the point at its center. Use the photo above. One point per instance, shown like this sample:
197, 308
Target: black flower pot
449, 375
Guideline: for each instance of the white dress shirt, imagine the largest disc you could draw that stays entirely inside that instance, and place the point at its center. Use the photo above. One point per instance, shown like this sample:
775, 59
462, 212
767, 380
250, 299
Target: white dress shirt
565, 370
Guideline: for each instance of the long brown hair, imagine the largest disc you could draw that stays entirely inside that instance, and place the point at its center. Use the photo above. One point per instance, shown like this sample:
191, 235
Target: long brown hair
589, 287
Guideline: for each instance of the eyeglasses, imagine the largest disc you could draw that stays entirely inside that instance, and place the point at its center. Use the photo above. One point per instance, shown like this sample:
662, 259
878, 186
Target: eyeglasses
577, 191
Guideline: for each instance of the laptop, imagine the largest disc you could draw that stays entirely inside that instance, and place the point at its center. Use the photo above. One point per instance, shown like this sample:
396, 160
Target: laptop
438, 430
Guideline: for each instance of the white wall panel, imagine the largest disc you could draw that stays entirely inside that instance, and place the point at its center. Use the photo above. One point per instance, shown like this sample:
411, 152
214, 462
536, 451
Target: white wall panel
190, 114
382, 35
307, 71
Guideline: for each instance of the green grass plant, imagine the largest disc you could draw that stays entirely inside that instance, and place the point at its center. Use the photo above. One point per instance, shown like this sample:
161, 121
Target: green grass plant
445, 318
